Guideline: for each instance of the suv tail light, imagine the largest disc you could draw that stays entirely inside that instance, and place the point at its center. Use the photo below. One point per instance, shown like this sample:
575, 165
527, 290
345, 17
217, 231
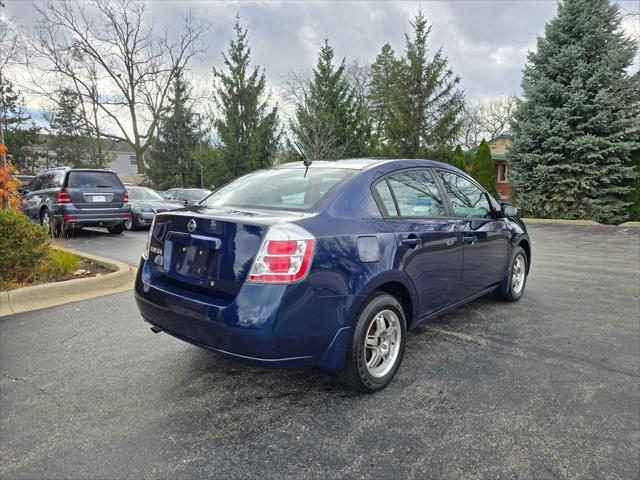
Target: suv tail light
284, 256
126, 198
63, 197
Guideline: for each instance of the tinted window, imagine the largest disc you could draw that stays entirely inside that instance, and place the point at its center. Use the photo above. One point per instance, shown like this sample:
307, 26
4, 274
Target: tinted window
285, 189
382, 188
417, 194
467, 199
89, 179
36, 183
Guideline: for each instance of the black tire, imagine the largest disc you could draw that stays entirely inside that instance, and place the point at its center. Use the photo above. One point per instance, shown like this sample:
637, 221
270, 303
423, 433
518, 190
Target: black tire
117, 229
356, 374
132, 224
55, 228
510, 290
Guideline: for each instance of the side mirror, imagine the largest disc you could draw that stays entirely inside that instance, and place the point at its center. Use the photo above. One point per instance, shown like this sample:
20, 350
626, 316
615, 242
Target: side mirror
509, 210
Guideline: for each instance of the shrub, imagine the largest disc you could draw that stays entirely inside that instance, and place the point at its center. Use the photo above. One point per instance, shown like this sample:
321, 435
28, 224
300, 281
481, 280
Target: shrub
483, 170
23, 246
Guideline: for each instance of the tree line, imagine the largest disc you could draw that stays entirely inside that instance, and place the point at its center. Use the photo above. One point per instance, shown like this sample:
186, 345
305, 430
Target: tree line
573, 130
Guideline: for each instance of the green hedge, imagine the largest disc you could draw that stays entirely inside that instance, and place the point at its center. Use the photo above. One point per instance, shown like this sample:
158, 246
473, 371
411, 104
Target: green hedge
23, 247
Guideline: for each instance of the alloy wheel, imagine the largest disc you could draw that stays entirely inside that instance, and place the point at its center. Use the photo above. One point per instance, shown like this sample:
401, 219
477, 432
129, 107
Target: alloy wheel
382, 343
518, 274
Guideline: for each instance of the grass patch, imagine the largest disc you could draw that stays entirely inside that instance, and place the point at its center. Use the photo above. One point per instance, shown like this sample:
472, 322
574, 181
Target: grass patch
57, 264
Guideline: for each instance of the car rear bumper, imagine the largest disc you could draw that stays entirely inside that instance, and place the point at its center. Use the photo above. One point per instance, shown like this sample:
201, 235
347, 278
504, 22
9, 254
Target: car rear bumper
267, 325
71, 216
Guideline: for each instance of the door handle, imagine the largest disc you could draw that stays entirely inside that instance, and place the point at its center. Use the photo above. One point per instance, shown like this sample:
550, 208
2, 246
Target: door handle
411, 241
470, 239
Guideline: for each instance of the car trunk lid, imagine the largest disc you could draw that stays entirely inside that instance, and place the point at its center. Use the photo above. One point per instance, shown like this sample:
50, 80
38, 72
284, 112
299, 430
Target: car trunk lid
209, 250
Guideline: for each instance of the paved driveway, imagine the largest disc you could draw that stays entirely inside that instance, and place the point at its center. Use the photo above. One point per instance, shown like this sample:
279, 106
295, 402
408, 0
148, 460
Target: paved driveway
126, 247
545, 388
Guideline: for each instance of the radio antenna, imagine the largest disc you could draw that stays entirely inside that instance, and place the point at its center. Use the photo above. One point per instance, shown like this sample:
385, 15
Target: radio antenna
305, 160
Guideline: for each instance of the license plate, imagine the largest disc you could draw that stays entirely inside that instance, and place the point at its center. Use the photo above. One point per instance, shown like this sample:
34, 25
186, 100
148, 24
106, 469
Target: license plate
191, 260
99, 198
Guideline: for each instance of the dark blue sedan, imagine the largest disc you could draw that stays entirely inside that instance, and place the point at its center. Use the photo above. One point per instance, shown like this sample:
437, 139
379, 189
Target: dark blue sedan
329, 266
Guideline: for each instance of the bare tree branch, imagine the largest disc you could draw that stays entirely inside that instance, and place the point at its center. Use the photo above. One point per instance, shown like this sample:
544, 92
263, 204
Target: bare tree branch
107, 52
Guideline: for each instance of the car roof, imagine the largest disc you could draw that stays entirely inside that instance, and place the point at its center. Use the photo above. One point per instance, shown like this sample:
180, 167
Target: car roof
361, 163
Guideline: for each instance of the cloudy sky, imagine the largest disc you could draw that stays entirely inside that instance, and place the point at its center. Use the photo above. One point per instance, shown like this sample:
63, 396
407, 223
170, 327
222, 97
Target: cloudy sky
486, 41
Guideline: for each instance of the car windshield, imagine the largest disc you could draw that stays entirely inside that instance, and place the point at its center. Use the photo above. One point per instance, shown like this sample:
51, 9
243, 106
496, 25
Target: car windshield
197, 194
93, 179
142, 193
280, 189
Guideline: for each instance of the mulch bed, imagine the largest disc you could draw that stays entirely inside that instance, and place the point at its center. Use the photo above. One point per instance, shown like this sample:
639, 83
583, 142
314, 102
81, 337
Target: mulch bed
85, 268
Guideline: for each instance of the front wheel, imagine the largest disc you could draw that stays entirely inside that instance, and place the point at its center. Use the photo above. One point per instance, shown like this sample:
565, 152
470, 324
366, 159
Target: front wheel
377, 345
513, 286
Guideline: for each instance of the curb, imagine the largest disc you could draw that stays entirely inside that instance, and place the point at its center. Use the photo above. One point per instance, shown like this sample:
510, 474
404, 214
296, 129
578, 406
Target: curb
58, 293
552, 221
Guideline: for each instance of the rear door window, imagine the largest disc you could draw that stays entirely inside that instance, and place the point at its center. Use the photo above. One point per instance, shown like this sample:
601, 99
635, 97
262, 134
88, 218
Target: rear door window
91, 179
467, 199
384, 194
416, 194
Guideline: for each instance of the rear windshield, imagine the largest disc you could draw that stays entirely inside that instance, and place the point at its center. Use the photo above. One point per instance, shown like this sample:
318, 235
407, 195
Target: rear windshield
88, 179
142, 193
280, 189
196, 194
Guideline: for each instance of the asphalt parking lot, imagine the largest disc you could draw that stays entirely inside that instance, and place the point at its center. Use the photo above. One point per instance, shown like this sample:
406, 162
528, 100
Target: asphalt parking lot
548, 387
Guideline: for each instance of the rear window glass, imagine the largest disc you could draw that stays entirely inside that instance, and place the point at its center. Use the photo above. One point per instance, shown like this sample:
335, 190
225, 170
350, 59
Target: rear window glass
142, 193
280, 189
196, 194
81, 179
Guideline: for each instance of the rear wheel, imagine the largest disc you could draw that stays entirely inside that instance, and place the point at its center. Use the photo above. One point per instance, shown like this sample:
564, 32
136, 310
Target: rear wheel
119, 228
513, 286
46, 220
377, 345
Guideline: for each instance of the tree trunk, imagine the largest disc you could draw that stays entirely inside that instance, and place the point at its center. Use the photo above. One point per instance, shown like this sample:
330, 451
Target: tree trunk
140, 160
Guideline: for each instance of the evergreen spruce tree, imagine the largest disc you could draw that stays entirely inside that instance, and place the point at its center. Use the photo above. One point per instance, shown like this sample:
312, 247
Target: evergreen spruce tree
482, 169
20, 132
577, 126
459, 160
71, 144
170, 161
247, 127
422, 103
383, 96
330, 123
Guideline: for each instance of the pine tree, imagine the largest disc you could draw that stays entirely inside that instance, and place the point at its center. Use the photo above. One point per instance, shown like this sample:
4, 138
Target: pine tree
385, 72
247, 127
20, 132
459, 160
482, 169
71, 143
421, 100
170, 161
330, 123
577, 126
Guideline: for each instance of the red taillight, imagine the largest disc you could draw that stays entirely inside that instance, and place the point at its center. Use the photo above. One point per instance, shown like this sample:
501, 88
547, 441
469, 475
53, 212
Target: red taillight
67, 218
126, 198
284, 257
282, 247
126, 216
63, 197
